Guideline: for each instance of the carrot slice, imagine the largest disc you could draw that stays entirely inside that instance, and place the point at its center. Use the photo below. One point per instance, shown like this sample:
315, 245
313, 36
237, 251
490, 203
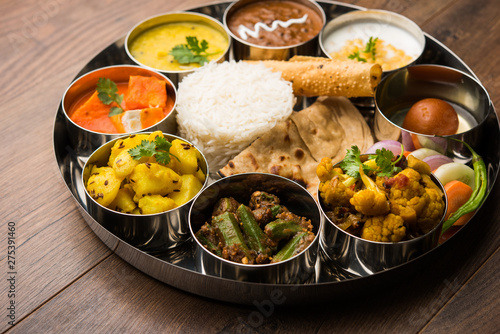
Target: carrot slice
93, 115
117, 122
145, 92
458, 193
416, 141
151, 116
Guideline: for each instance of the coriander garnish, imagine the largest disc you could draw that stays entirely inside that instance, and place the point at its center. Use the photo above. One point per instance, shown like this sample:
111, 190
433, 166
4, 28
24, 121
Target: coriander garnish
351, 162
107, 93
355, 55
369, 49
386, 161
191, 52
159, 148
386, 164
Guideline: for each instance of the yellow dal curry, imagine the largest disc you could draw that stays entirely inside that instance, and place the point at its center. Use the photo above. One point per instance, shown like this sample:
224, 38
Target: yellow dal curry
152, 47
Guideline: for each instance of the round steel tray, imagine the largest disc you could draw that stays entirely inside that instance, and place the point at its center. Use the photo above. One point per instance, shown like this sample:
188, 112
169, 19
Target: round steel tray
177, 268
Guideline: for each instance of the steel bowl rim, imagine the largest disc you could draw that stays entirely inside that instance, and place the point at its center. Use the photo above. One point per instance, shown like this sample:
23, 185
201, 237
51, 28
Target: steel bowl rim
321, 12
366, 12
187, 13
469, 77
110, 143
410, 241
118, 66
265, 265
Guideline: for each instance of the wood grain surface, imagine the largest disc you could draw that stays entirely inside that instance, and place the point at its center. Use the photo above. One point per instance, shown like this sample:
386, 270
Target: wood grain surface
68, 281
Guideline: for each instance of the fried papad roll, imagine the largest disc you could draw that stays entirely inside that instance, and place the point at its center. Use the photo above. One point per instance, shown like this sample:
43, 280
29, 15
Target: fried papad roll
318, 76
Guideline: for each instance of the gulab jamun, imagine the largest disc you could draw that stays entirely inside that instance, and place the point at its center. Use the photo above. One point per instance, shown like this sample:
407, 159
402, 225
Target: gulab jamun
432, 117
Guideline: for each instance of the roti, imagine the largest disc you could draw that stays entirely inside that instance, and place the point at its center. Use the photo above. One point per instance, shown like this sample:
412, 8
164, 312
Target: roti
332, 125
294, 148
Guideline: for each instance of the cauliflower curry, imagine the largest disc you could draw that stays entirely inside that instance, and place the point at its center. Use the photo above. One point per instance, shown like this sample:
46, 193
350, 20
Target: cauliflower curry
384, 199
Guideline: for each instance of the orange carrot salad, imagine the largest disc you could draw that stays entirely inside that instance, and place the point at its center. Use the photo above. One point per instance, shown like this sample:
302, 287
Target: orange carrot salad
458, 193
141, 93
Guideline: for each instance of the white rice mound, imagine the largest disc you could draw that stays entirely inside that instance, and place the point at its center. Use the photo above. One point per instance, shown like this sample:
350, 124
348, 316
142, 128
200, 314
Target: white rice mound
223, 107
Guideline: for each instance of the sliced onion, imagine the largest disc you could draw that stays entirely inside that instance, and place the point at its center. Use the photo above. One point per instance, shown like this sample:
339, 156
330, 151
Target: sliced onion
436, 160
455, 171
423, 153
407, 141
392, 145
436, 143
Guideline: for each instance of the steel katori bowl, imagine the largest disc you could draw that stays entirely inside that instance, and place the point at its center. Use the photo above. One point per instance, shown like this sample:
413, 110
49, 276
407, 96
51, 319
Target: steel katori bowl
151, 233
358, 257
398, 91
85, 141
298, 269
168, 19
398, 34
245, 50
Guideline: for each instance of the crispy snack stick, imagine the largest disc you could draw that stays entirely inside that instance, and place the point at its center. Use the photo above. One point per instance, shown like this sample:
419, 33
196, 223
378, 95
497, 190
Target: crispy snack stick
317, 76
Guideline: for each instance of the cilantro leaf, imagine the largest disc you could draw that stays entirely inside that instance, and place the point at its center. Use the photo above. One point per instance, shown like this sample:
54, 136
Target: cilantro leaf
183, 54
107, 92
352, 161
191, 52
159, 148
355, 55
384, 159
105, 98
162, 143
370, 47
163, 150
115, 111
145, 149
195, 46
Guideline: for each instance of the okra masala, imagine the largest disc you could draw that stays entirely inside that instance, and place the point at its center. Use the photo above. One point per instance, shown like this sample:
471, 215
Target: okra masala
262, 231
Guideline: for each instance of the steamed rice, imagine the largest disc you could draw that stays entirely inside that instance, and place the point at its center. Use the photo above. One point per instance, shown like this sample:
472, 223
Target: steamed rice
222, 108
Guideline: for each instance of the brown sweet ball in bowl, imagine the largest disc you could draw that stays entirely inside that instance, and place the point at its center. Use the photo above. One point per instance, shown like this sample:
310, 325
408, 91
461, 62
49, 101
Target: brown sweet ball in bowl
432, 117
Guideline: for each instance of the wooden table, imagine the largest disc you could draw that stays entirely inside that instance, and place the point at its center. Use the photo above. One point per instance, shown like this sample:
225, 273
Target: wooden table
68, 281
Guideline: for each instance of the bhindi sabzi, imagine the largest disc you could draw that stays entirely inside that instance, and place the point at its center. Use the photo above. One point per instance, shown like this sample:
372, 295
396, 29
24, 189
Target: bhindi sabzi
262, 231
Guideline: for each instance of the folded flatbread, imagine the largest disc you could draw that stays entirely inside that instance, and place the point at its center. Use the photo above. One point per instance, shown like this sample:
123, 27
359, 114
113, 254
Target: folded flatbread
281, 151
294, 148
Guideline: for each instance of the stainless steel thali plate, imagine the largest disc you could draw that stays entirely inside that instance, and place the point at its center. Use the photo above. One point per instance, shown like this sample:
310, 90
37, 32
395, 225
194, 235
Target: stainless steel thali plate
177, 268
